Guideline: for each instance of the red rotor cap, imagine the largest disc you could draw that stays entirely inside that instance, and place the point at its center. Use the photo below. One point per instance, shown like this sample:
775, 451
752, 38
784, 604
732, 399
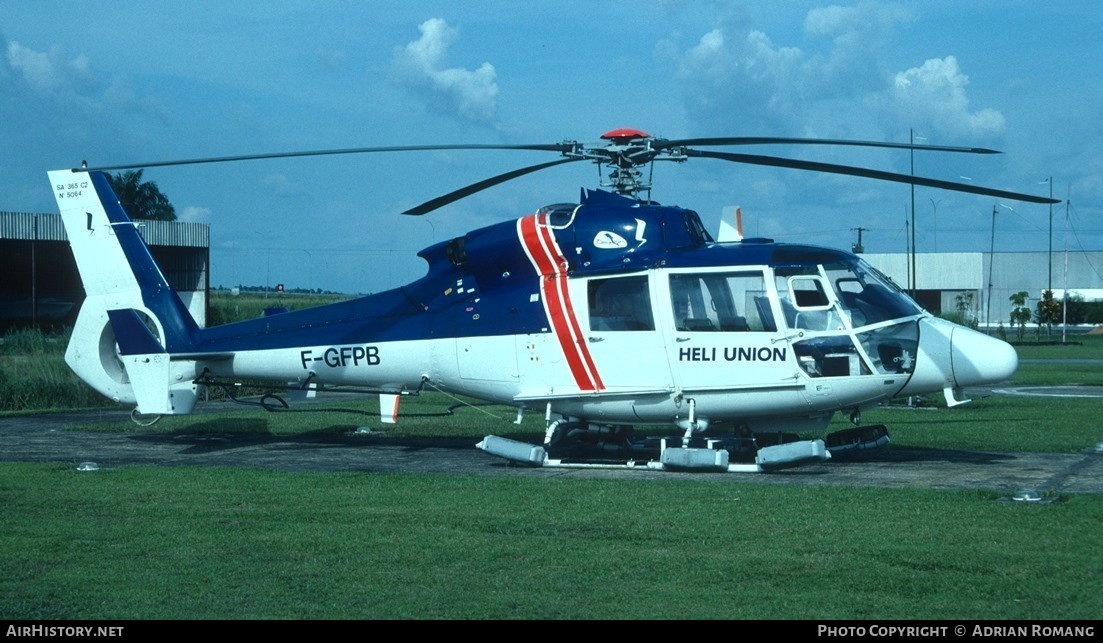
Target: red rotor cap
624, 133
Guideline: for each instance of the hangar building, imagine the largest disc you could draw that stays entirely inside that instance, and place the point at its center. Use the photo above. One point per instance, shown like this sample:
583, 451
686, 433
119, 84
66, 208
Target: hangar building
41, 285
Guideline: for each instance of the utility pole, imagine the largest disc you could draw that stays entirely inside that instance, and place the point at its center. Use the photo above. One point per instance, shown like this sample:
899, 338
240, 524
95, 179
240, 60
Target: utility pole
934, 224
1050, 181
912, 284
858, 248
907, 249
992, 259
1065, 295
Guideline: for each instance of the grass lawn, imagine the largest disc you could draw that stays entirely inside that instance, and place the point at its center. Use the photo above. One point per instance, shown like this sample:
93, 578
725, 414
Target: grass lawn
210, 543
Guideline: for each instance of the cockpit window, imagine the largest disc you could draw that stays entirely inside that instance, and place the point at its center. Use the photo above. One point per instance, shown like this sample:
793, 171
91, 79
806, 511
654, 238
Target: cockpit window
808, 292
839, 294
807, 304
866, 296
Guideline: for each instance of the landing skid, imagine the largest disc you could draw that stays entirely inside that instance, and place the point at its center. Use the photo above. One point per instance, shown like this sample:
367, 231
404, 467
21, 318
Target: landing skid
762, 454
859, 438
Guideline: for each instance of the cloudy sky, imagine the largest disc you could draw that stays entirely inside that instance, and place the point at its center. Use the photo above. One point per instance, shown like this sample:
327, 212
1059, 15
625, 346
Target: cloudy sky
145, 81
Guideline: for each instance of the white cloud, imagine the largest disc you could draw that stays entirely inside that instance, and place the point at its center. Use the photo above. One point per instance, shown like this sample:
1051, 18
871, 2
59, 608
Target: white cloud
935, 92
51, 71
735, 78
836, 84
422, 66
858, 36
858, 25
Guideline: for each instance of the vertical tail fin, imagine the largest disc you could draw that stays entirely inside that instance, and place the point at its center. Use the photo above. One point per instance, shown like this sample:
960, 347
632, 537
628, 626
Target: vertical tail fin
728, 232
128, 303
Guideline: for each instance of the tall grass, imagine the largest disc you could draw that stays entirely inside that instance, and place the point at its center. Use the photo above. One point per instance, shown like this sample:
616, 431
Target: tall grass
226, 307
34, 376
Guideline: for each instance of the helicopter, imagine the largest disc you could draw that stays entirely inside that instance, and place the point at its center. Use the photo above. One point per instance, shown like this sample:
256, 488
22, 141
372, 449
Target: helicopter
608, 315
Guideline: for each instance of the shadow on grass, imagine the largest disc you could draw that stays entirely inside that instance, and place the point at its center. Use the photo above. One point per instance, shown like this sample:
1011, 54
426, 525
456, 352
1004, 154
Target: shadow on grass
215, 436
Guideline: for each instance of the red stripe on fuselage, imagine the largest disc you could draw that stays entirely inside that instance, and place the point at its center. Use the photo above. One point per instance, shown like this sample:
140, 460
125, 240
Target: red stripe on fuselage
539, 243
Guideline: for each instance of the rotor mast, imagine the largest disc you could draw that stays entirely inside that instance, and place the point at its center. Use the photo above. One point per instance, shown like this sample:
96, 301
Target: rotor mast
628, 149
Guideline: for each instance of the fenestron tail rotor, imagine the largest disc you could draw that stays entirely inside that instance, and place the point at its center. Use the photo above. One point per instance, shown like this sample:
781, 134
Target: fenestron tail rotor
625, 151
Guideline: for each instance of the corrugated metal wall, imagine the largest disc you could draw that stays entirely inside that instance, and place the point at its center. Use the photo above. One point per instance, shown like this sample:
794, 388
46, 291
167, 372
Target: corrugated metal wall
47, 227
28, 226
40, 274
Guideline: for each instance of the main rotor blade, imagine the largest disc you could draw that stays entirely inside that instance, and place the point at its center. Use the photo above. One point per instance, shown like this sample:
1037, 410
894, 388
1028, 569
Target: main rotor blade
773, 140
444, 200
552, 147
847, 170
812, 141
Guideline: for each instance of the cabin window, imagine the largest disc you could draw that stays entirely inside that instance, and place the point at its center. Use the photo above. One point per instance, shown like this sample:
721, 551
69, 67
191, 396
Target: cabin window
455, 251
696, 230
721, 302
622, 303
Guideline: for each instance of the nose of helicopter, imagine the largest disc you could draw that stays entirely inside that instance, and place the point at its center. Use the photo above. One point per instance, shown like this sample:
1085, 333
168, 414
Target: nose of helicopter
953, 357
977, 358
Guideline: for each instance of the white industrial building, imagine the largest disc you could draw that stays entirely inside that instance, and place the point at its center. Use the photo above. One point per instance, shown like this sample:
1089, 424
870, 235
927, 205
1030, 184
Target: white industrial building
940, 278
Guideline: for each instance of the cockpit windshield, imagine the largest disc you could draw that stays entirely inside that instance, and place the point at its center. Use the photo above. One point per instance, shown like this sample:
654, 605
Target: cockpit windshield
839, 295
866, 296
861, 322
